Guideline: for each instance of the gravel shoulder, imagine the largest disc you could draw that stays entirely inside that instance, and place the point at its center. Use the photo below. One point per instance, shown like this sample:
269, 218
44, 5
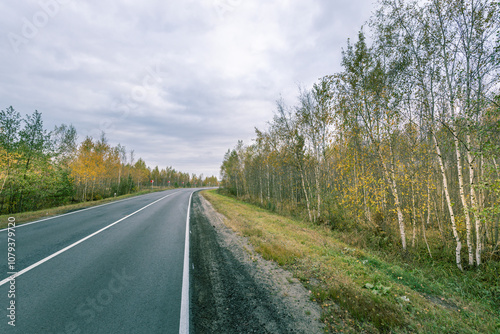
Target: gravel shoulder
234, 290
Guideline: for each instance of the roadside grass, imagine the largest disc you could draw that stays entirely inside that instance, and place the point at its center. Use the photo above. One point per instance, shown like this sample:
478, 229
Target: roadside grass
26, 217
365, 291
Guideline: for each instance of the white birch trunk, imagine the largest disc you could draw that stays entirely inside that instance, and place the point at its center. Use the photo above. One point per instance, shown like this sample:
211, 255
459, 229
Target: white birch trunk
470, 246
458, 249
318, 193
475, 207
394, 189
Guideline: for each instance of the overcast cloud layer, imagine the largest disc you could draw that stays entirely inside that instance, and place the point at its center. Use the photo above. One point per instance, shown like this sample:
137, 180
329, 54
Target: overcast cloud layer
179, 82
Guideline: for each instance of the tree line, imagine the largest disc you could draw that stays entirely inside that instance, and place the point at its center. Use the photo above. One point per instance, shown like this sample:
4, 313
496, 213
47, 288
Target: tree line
403, 143
41, 169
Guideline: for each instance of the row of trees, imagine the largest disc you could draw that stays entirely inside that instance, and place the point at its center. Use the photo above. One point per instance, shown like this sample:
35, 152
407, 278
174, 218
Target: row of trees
404, 141
41, 169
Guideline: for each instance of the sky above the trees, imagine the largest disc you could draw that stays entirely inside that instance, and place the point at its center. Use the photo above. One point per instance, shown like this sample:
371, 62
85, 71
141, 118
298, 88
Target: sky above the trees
179, 82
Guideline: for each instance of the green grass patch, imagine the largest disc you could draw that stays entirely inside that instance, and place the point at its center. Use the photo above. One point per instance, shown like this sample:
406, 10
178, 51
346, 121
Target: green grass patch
363, 290
278, 253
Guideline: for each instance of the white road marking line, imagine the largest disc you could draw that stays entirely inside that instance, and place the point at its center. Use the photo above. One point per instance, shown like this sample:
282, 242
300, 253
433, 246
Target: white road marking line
70, 213
19, 273
184, 322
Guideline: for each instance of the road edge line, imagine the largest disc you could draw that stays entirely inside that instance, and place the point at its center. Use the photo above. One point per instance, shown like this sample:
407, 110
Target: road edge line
184, 319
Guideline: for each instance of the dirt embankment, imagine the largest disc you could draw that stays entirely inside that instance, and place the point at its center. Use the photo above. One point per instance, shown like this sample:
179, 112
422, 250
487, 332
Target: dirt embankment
234, 290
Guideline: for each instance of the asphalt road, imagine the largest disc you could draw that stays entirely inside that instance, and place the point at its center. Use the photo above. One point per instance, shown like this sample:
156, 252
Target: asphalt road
116, 268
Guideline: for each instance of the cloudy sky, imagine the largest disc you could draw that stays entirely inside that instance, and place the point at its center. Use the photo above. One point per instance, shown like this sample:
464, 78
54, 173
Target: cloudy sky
179, 82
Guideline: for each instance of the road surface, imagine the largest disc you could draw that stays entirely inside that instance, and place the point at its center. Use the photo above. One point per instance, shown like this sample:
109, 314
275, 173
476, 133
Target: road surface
115, 268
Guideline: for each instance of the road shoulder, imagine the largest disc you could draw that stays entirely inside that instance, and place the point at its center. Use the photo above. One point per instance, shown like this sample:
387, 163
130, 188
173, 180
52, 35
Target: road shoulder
234, 290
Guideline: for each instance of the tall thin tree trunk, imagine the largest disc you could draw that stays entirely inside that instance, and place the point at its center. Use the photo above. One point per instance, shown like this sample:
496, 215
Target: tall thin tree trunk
318, 192
268, 183
458, 249
414, 216
468, 227
475, 207
260, 189
480, 201
85, 191
440, 226
119, 175
92, 192
306, 194
368, 214
425, 236
428, 218
391, 178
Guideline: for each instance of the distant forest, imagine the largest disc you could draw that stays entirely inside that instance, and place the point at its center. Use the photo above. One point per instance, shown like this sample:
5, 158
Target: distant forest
402, 146
41, 169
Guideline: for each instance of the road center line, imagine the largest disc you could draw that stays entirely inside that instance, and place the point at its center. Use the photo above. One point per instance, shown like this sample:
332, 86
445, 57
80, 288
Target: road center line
184, 322
19, 273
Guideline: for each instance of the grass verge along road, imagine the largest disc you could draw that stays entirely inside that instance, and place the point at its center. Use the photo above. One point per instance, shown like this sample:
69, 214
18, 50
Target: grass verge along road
361, 290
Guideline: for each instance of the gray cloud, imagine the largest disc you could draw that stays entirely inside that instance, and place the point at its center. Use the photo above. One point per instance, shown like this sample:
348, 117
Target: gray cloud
178, 82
